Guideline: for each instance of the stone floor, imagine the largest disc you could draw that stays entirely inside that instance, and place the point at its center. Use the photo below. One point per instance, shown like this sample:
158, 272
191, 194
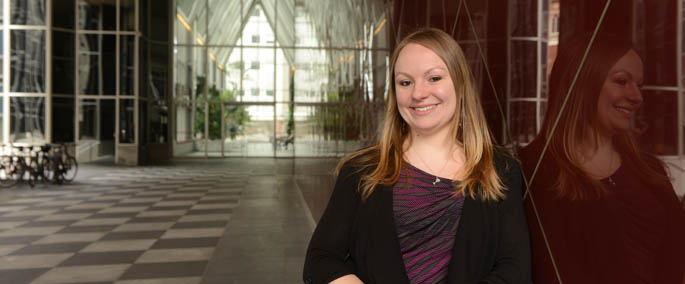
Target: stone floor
188, 221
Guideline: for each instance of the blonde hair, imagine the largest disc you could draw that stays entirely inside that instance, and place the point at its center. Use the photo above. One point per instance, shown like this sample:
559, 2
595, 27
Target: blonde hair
381, 163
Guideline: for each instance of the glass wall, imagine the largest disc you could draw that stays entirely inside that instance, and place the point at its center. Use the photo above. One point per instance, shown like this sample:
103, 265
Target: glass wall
71, 73
105, 79
512, 52
585, 93
277, 78
25, 89
154, 66
297, 69
302, 78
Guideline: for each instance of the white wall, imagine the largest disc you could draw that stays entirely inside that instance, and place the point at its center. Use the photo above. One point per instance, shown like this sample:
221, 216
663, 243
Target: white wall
183, 148
676, 170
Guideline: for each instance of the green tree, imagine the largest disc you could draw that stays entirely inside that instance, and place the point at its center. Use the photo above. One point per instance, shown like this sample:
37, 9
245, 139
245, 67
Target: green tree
235, 116
335, 122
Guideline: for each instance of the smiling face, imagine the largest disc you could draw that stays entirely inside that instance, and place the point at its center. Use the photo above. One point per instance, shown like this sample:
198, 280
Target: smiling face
426, 98
620, 96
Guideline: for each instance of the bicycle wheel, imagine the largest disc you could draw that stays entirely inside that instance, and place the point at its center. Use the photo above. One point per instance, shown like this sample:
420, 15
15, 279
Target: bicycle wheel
5, 172
70, 169
15, 171
47, 168
58, 174
34, 172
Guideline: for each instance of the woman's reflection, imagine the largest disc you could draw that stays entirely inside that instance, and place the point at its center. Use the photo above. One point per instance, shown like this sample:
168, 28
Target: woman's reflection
608, 209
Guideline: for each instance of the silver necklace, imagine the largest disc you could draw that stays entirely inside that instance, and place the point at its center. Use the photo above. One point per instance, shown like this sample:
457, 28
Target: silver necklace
437, 179
611, 164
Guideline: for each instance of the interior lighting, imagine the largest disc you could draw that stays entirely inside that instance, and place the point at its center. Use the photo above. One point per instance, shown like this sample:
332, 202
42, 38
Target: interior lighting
380, 26
183, 21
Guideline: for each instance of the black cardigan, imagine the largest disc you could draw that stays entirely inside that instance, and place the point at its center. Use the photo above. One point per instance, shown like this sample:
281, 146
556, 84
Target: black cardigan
358, 237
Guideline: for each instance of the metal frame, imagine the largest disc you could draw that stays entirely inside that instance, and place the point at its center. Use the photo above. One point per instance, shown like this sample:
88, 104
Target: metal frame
344, 48
541, 42
6, 70
275, 118
117, 96
538, 77
48, 95
48, 72
664, 88
508, 66
205, 55
681, 92
77, 101
678, 89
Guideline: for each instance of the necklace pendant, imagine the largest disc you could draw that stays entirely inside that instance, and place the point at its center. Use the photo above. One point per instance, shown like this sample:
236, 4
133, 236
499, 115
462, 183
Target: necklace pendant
437, 180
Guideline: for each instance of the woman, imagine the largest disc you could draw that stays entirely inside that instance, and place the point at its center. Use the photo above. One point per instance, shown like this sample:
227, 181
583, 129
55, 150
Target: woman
434, 201
600, 210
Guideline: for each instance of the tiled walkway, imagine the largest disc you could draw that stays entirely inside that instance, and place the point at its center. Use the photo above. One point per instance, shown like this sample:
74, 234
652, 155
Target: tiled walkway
203, 221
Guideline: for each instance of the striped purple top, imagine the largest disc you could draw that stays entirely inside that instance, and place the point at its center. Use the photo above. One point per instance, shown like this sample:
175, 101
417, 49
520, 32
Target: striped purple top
426, 218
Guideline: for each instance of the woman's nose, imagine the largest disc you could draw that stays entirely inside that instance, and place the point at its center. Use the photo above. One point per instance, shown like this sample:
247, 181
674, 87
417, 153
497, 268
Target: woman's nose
420, 91
635, 95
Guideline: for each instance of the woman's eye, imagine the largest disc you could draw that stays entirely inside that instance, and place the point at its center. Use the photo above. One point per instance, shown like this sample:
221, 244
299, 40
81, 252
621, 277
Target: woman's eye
621, 82
404, 83
435, 78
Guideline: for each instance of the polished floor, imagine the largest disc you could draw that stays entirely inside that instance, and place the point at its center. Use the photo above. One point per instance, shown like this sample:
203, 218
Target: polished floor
193, 221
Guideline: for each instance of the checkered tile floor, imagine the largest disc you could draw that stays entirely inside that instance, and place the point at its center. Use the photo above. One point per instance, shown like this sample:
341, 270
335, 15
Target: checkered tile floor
139, 225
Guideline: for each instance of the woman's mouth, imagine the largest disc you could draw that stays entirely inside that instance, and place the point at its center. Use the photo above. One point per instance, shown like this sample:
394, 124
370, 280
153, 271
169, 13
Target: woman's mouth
628, 112
425, 108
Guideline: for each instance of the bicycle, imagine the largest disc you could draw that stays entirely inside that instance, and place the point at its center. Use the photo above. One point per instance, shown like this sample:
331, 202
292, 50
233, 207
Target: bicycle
11, 171
42, 164
65, 165
19, 161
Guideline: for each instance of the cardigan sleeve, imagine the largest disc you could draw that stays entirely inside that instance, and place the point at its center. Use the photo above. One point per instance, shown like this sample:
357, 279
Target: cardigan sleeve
513, 260
328, 254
